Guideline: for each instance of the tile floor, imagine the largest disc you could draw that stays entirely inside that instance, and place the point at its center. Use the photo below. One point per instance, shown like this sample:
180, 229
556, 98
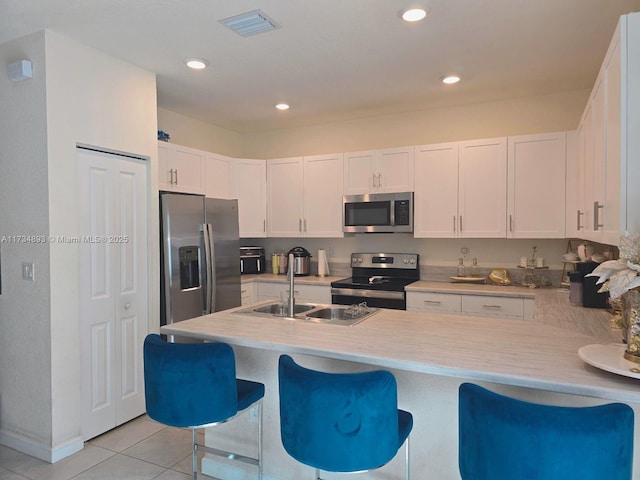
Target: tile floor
138, 450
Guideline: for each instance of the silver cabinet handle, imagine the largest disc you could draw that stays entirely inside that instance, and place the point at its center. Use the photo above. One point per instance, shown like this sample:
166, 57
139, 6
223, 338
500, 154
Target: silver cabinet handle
460, 223
379, 179
596, 215
578, 226
305, 225
434, 302
170, 176
264, 225
510, 223
176, 176
373, 180
300, 225
127, 306
295, 291
492, 306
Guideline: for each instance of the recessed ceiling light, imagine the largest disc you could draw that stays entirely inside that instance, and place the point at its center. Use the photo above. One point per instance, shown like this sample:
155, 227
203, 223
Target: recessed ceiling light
196, 63
282, 106
413, 14
451, 79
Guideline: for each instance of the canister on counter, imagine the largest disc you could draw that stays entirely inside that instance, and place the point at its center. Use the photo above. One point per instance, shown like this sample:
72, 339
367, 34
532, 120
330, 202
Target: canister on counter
275, 264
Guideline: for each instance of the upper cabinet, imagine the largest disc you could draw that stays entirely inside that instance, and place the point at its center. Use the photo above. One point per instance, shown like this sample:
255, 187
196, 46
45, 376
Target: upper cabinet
181, 169
217, 176
379, 171
536, 186
249, 186
305, 196
461, 189
608, 142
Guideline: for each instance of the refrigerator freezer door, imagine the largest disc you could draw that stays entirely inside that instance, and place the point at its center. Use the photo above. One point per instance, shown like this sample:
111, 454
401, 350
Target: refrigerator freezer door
182, 257
222, 219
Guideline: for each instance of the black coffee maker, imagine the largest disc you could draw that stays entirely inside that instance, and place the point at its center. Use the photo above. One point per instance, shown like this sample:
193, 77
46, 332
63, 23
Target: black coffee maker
590, 296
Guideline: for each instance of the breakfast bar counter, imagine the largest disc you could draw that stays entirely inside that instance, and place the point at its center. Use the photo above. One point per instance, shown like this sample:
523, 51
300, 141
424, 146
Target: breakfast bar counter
430, 354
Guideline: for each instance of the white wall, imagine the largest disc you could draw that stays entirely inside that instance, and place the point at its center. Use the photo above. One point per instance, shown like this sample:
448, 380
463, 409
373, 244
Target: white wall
91, 99
25, 342
519, 116
190, 132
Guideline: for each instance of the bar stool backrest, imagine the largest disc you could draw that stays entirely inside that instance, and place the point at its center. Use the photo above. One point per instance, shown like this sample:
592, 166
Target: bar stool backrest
502, 438
189, 384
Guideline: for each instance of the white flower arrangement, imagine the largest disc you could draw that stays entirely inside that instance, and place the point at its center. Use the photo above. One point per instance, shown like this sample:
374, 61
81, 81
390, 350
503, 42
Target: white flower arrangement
619, 276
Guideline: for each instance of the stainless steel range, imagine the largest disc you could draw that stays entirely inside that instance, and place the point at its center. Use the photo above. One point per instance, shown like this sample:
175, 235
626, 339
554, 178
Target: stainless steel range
377, 279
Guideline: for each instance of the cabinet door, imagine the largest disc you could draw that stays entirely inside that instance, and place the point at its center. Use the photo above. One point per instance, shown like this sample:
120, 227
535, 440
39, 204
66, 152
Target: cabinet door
536, 186
436, 195
488, 306
165, 172
596, 178
482, 201
217, 178
188, 164
247, 294
249, 182
613, 223
285, 216
573, 215
323, 196
358, 172
394, 170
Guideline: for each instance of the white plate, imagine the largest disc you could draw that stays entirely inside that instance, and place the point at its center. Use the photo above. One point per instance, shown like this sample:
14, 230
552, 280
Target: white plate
610, 358
468, 279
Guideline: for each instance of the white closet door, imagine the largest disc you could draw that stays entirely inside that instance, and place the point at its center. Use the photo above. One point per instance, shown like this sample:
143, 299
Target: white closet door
113, 288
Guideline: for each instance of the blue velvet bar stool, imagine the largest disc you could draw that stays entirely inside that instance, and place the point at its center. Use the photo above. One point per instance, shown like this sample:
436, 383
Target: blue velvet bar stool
194, 385
502, 438
341, 422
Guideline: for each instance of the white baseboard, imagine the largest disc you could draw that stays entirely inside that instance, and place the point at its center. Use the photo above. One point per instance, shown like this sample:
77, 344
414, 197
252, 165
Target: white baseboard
40, 450
229, 470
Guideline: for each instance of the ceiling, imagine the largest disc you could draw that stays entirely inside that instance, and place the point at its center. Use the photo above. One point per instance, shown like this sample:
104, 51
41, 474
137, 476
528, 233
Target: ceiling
336, 60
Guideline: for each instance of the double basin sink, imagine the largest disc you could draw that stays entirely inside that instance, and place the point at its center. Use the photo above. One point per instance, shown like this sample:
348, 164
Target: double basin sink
327, 314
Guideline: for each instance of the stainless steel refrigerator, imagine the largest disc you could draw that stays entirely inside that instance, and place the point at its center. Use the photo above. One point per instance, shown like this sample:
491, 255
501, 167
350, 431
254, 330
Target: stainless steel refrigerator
200, 256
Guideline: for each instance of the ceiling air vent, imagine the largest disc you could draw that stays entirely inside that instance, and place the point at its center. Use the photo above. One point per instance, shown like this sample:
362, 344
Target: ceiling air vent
250, 23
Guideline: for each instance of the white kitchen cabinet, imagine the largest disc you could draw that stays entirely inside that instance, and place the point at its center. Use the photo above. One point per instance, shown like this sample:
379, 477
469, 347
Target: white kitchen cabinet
610, 144
436, 196
475, 305
574, 192
536, 185
379, 171
217, 176
248, 294
180, 169
249, 186
305, 196
285, 207
434, 302
461, 189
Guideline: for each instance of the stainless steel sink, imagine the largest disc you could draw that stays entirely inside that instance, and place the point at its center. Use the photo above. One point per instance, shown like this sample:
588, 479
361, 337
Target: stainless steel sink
306, 312
281, 309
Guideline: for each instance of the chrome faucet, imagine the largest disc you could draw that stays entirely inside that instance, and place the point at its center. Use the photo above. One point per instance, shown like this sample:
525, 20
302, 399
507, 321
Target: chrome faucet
292, 299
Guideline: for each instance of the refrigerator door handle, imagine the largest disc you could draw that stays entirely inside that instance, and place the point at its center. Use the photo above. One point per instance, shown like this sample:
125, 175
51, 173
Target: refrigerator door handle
212, 271
207, 269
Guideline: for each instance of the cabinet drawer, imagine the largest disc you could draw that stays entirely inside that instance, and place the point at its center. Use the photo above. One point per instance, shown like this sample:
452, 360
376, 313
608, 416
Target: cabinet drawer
493, 306
247, 294
434, 302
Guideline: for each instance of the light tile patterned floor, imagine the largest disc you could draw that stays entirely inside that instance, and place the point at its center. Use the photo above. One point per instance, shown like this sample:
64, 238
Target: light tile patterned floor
139, 450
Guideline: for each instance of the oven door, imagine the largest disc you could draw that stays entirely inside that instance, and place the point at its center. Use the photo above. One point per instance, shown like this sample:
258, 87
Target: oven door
373, 298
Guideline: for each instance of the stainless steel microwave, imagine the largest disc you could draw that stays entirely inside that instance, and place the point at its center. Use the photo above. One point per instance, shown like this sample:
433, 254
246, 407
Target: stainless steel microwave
378, 213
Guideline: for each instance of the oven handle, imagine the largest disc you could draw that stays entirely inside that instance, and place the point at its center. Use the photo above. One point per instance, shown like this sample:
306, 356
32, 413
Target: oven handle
357, 292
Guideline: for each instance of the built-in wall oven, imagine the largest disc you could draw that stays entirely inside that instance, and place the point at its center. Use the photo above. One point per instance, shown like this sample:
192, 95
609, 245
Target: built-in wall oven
379, 279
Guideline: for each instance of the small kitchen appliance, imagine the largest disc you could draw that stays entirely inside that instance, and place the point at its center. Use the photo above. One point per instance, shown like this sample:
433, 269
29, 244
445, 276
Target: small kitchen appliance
252, 260
301, 261
379, 279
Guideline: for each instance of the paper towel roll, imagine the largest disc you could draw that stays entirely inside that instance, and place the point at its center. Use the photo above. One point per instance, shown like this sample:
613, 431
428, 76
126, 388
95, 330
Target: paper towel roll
323, 264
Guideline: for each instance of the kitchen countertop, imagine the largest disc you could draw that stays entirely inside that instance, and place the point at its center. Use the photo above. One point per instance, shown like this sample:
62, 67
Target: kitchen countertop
531, 354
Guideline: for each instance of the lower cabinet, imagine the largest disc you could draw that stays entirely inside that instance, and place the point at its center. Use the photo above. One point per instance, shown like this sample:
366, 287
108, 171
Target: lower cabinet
303, 293
248, 294
475, 305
